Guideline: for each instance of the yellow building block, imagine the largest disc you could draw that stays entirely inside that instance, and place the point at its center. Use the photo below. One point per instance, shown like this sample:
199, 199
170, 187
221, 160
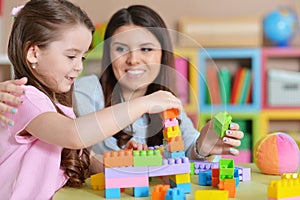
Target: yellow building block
284, 188
97, 181
170, 132
211, 195
290, 176
181, 178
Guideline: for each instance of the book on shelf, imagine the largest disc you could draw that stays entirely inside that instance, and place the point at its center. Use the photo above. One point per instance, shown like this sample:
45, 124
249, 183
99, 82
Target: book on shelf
182, 69
225, 85
213, 89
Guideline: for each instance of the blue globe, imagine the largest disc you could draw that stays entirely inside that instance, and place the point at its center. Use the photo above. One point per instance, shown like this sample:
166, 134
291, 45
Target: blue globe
280, 26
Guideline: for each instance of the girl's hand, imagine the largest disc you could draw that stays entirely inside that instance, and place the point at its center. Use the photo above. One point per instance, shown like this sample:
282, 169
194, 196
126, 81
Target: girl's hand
9, 91
160, 101
209, 142
133, 145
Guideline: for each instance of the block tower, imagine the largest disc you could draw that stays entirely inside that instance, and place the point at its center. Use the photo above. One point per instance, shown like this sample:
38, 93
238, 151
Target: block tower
174, 149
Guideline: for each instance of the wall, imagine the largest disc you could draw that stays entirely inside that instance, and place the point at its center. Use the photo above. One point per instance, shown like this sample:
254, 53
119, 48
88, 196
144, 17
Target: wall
170, 10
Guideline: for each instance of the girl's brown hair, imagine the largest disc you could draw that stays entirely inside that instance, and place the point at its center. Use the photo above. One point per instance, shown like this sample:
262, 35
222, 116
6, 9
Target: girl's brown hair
144, 17
39, 23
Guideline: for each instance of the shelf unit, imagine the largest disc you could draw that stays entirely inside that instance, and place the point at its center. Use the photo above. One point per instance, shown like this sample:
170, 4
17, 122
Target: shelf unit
278, 58
250, 56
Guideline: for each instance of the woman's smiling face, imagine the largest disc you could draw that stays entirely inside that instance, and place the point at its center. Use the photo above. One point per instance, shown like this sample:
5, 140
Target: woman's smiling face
136, 57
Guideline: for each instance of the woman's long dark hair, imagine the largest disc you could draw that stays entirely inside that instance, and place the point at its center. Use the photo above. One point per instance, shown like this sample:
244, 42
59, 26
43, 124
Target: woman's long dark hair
142, 16
39, 23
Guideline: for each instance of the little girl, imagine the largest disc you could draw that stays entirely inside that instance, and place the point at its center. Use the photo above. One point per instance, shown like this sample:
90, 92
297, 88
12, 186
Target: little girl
45, 149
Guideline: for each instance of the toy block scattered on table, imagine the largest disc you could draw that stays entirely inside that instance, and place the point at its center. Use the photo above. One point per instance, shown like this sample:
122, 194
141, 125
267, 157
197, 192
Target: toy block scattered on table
159, 192
201, 165
211, 195
215, 174
147, 158
205, 178
222, 121
290, 176
236, 176
284, 188
244, 173
175, 144
170, 113
97, 181
118, 158
226, 168
174, 194
229, 185
192, 167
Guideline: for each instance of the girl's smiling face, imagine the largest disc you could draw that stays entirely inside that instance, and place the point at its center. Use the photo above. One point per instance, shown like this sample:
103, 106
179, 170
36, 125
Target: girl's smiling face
60, 63
136, 58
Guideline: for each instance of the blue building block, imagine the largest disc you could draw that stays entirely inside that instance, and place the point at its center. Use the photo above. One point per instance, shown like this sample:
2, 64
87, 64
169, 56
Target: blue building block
174, 194
204, 178
141, 191
177, 154
112, 193
236, 176
184, 187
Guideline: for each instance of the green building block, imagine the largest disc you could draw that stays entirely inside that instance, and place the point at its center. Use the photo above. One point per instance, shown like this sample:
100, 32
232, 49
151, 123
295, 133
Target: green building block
226, 168
147, 158
192, 165
222, 121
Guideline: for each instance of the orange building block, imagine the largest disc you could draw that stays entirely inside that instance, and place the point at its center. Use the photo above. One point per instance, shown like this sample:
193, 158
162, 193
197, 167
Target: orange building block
175, 144
120, 158
159, 192
228, 184
171, 113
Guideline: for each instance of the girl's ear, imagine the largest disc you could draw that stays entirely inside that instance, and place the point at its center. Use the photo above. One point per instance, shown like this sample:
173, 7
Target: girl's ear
32, 54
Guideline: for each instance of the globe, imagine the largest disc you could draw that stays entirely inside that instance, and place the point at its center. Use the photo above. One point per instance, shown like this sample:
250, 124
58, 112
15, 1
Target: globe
280, 26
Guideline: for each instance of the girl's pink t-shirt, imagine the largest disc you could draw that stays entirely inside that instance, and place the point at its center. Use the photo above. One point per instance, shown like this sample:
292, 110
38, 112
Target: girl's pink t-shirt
30, 168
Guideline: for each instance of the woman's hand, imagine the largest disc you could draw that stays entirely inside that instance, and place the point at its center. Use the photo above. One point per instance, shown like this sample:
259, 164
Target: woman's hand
9, 94
131, 144
209, 142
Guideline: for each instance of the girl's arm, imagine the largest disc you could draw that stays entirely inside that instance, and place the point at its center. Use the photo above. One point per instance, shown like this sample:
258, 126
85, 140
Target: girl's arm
9, 100
95, 127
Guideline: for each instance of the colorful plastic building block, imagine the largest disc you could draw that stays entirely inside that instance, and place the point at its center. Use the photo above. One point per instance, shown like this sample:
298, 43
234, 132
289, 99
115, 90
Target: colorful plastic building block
123, 172
211, 195
181, 178
170, 114
284, 188
175, 144
222, 121
184, 187
174, 194
159, 192
97, 181
170, 122
205, 178
118, 158
171, 131
229, 185
244, 173
226, 168
170, 166
147, 158
141, 191
112, 193
204, 165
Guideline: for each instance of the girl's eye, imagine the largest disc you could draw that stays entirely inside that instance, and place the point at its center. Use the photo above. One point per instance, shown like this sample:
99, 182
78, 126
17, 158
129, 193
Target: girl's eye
71, 57
83, 58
